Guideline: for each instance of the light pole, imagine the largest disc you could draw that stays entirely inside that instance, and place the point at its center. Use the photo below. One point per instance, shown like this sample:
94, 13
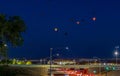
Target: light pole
51, 56
116, 53
51, 61
99, 65
74, 63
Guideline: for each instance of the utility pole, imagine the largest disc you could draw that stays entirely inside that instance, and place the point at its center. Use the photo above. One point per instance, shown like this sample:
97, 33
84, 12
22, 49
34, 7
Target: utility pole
51, 49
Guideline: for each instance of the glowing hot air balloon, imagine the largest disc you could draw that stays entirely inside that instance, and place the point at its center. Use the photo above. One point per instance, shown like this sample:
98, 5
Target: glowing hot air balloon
94, 18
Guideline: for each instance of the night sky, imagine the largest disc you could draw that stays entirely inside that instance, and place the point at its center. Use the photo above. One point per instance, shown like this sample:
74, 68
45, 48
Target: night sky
73, 28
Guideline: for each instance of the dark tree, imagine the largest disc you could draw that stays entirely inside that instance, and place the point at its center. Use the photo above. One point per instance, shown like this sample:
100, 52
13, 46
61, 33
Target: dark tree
11, 29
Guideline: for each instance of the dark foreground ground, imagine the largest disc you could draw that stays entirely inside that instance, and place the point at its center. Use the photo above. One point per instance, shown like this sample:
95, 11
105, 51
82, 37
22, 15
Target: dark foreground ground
22, 71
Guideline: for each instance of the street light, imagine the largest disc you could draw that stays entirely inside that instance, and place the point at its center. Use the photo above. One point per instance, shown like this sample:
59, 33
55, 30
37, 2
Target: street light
116, 53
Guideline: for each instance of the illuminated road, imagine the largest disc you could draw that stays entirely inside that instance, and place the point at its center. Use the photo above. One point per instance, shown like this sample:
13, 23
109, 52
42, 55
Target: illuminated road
98, 68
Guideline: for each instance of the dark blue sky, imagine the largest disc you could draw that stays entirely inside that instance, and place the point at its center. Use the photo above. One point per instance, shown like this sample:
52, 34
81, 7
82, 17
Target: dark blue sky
87, 39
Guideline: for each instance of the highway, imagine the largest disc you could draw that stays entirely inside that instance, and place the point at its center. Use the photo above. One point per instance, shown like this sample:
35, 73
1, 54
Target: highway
65, 66
99, 68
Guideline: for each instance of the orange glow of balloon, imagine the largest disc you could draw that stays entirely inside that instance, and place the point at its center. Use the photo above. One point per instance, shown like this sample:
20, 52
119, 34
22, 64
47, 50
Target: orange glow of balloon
78, 22
94, 18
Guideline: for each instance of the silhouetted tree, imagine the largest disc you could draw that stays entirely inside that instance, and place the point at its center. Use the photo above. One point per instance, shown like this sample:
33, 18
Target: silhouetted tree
11, 29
